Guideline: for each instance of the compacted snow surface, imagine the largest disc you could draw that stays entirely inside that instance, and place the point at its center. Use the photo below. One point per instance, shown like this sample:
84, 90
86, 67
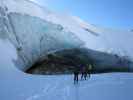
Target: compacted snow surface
16, 85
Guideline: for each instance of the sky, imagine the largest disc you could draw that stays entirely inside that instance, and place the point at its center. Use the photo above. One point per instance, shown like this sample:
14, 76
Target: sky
104, 13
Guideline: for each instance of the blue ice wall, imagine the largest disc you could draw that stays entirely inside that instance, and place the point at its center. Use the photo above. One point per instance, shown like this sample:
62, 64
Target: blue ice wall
34, 38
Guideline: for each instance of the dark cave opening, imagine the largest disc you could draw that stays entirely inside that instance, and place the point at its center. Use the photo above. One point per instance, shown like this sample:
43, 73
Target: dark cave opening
65, 61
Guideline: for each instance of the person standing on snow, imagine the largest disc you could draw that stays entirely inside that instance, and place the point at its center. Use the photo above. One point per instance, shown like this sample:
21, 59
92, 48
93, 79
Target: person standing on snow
76, 73
89, 69
84, 73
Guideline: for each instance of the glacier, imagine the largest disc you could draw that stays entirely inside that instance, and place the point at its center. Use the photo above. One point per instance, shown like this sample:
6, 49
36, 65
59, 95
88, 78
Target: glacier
16, 85
29, 32
45, 36
46, 27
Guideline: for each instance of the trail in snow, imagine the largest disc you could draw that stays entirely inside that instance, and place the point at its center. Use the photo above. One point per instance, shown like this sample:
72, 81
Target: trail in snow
66, 90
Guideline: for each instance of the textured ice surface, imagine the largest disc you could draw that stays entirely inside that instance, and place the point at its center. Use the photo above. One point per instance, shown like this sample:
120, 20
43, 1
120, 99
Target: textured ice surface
36, 31
34, 37
38, 37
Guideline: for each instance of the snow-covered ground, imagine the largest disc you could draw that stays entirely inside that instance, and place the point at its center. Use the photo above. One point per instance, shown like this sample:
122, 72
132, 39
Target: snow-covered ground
16, 85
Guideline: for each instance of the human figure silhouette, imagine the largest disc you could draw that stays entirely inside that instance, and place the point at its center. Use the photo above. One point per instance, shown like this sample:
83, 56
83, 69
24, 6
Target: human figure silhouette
76, 73
89, 69
84, 73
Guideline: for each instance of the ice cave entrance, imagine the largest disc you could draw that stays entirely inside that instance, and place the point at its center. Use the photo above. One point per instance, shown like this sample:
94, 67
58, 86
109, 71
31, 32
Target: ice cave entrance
64, 62
61, 62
